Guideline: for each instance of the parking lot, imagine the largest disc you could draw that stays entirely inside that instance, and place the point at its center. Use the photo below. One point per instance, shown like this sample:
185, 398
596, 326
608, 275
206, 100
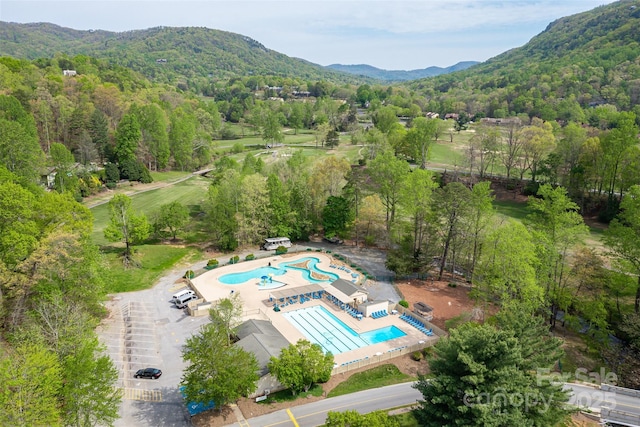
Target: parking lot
144, 329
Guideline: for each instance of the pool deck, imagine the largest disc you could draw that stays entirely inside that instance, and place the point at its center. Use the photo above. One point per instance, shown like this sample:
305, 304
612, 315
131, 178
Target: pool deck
256, 303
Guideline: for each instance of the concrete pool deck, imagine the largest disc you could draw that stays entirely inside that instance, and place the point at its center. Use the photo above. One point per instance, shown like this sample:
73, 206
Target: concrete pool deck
256, 303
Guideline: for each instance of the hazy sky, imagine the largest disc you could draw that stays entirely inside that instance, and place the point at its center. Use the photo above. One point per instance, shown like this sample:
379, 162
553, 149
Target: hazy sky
387, 34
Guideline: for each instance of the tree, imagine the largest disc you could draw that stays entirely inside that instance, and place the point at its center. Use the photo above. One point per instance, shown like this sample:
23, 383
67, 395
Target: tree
480, 218
127, 137
623, 235
125, 225
301, 365
355, 419
452, 205
155, 139
89, 392
282, 217
506, 269
172, 216
217, 372
99, 132
538, 141
333, 138
31, 383
388, 173
253, 215
483, 148
481, 378
62, 160
182, 132
336, 216
557, 227
415, 201
20, 150
272, 130
226, 314
223, 204
420, 138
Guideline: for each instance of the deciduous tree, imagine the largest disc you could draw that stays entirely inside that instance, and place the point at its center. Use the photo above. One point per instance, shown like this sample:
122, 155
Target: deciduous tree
301, 365
125, 225
217, 372
173, 217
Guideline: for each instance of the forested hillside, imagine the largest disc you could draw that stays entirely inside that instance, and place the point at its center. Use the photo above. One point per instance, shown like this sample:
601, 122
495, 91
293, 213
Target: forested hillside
164, 54
580, 61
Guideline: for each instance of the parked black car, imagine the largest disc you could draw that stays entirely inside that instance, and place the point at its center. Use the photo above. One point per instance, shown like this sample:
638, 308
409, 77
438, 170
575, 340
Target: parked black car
148, 373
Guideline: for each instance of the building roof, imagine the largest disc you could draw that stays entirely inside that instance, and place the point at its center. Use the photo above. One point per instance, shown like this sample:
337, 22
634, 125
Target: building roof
262, 339
348, 288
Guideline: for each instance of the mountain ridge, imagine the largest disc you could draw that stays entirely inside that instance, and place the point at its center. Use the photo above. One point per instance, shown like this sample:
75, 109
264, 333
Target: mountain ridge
400, 75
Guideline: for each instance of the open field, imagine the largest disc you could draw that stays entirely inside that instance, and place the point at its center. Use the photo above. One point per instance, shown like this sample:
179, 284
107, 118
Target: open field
190, 192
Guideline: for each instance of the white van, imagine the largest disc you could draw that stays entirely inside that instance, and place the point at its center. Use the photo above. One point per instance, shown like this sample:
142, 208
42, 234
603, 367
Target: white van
182, 301
181, 293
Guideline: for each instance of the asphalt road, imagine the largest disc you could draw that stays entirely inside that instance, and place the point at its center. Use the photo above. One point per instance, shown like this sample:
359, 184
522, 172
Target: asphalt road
315, 413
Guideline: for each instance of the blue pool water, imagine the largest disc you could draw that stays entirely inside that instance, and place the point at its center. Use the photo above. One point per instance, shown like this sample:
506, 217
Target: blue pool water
320, 326
257, 273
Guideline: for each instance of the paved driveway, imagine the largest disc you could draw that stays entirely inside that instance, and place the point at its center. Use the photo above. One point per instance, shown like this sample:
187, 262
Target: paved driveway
146, 330
373, 261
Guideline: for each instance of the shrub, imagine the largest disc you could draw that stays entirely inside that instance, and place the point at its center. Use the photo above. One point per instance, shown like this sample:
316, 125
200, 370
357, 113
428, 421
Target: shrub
404, 303
189, 274
309, 249
427, 351
281, 250
213, 263
250, 257
237, 148
234, 259
417, 356
452, 285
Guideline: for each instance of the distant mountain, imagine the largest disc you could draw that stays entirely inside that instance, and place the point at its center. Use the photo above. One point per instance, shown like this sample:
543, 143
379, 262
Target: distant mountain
582, 60
399, 75
163, 53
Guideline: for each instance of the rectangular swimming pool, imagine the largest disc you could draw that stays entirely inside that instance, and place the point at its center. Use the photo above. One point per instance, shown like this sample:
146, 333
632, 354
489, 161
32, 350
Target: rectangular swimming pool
320, 326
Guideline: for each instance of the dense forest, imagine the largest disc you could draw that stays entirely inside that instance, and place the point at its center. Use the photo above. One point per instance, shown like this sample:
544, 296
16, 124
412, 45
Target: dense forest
556, 119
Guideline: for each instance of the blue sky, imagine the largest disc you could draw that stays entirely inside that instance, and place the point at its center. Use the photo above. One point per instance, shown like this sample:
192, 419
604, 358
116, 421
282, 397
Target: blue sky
394, 35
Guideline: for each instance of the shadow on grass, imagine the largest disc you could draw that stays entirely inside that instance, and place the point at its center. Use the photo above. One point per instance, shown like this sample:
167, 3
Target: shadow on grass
287, 396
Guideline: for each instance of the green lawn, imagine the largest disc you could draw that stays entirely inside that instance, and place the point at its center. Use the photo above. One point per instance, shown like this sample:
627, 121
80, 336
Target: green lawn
379, 376
511, 209
190, 192
154, 261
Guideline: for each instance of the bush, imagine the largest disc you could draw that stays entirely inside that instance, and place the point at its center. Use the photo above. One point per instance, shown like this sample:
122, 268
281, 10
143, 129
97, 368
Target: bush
213, 263
452, 285
237, 148
404, 303
111, 185
250, 257
189, 274
417, 356
427, 351
234, 259
281, 250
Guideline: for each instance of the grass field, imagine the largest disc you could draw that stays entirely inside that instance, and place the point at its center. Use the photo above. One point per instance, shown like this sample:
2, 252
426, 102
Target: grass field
155, 261
190, 192
378, 376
